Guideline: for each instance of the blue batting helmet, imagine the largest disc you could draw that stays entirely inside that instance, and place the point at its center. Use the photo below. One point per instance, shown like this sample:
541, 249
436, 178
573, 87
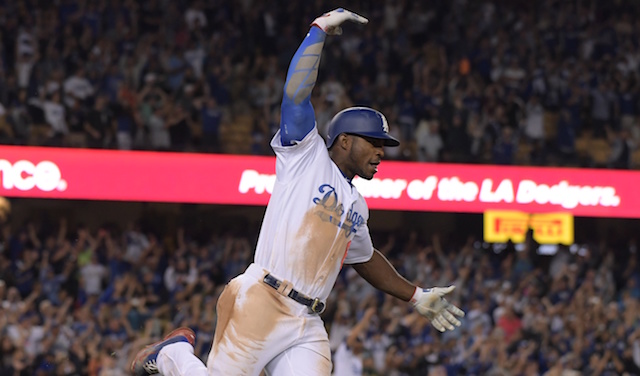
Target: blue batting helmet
362, 121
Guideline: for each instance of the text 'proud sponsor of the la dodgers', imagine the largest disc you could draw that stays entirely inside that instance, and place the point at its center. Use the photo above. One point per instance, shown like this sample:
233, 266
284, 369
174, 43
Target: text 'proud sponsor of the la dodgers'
452, 189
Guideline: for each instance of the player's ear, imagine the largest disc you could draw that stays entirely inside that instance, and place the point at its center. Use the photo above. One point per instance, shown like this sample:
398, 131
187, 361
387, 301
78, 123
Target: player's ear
344, 141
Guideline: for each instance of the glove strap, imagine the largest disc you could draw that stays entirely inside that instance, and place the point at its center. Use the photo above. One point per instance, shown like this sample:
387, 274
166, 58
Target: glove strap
321, 27
416, 295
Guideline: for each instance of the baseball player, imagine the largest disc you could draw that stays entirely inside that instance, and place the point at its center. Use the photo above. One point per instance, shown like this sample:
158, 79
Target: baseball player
316, 221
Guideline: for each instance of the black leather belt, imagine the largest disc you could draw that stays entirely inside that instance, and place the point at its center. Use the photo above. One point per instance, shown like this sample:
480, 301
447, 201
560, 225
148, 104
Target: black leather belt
315, 305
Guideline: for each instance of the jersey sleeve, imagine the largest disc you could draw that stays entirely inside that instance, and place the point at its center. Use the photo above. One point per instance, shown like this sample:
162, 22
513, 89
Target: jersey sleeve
361, 248
299, 158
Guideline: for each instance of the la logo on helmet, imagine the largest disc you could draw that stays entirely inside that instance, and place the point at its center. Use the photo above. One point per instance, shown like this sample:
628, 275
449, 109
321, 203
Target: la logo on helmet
385, 125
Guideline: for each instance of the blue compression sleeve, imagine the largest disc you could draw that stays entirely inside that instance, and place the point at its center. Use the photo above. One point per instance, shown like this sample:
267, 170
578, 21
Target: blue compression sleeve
297, 117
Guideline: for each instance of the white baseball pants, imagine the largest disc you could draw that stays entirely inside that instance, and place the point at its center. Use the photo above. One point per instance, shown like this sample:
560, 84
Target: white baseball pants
257, 329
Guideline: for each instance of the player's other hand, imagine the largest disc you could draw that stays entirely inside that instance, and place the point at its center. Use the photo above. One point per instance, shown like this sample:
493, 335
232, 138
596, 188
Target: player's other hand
431, 304
330, 22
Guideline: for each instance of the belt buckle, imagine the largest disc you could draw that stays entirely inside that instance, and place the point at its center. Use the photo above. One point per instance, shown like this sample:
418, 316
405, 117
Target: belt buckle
314, 306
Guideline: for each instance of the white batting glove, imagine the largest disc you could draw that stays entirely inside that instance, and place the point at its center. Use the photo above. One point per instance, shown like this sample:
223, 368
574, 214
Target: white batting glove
330, 22
431, 304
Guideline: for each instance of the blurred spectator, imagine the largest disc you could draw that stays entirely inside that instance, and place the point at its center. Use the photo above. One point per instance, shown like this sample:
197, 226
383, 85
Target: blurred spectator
212, 116
125, 122
77, 88
457, 144
429, 141
566, 136
195, 16
55, 116
534, 120
348, 358
179, 275
602, 100
93, 276
99, 124
179, 127
622, 145
505, 147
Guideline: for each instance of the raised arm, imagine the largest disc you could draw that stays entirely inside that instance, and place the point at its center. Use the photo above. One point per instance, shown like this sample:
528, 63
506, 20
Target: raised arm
360, 327
297, 116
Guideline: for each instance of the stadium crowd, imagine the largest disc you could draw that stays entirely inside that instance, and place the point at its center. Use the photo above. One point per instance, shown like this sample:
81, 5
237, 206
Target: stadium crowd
505, 82
510, 82
80, 301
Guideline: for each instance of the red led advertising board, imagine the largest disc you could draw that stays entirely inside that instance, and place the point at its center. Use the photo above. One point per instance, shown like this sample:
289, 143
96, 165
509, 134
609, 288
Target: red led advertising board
247, 180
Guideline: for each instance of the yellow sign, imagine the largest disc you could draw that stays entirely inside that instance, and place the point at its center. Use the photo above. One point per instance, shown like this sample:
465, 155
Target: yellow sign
548, 228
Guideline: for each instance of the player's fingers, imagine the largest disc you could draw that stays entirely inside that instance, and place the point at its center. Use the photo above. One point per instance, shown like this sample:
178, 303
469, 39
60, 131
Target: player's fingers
436, 324
334, 30
444, 322
451, 318
445, 290
355, 17
351, 16
455, 310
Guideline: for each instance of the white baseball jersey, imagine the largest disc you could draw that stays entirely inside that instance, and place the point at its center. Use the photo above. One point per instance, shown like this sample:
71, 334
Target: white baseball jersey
315, 221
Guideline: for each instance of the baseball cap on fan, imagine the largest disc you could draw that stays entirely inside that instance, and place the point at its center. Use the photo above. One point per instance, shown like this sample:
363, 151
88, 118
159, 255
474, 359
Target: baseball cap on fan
361, 121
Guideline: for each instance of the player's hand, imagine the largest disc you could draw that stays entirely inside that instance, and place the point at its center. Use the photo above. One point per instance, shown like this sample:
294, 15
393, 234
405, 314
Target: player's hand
330, 22
431, 304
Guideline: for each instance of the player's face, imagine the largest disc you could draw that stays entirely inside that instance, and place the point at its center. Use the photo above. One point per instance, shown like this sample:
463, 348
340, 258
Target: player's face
365, 155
